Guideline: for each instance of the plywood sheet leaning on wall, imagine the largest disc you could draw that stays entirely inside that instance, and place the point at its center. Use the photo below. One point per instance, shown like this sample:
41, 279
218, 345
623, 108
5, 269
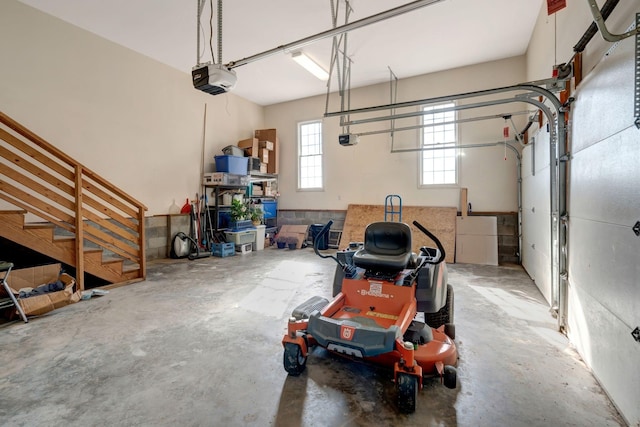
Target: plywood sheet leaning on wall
441, 221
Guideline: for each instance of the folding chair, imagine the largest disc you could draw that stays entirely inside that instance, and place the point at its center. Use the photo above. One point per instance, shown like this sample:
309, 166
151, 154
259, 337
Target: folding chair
5, 267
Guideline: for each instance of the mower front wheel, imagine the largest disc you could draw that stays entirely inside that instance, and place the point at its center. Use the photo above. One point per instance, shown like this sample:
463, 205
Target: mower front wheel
450, 376
407, 388
293, 360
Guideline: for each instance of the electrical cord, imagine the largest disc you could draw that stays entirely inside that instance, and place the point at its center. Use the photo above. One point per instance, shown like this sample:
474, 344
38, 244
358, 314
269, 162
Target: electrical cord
213, 58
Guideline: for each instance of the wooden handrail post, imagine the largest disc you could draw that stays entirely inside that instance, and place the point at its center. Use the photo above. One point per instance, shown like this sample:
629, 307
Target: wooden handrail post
79, 229
141, 242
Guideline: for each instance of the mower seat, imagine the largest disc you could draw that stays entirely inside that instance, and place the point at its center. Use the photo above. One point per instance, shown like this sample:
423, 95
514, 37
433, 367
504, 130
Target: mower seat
387, 247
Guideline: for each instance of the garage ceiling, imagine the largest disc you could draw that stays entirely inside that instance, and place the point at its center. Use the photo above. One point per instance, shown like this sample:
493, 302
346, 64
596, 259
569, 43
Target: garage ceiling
448, 34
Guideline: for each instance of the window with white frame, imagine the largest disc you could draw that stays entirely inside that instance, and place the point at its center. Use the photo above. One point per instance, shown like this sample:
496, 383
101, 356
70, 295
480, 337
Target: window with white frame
310, 155
439, 163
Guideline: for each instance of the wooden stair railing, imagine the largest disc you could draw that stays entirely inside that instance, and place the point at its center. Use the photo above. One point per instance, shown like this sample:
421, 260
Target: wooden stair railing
45, 182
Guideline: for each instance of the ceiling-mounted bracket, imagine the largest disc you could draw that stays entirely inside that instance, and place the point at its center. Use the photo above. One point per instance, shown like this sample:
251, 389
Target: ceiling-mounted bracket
606, 34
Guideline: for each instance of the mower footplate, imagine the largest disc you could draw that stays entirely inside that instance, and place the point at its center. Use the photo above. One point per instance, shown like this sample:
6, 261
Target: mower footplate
350, 337
304, 310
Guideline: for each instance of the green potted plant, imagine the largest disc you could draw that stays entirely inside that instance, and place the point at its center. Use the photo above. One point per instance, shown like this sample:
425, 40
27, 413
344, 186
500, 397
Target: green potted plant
256, 215
239, 212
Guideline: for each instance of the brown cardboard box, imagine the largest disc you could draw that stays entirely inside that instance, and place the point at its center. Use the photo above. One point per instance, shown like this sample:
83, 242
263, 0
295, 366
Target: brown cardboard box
268, 145
264, 155
297, 231
266, 135
250, 146
272, 165
263, 168
270, 135
36, 276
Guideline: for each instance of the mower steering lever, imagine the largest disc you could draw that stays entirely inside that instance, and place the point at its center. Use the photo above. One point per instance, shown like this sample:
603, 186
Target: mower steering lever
435, 239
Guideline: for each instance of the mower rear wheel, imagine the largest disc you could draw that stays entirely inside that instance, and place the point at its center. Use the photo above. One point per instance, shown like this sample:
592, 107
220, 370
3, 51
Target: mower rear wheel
407, 388
450, 376
450, 330
293, 360
444, 315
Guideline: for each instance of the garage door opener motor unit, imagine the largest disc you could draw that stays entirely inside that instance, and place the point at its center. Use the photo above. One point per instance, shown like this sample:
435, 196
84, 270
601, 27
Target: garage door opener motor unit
213, 78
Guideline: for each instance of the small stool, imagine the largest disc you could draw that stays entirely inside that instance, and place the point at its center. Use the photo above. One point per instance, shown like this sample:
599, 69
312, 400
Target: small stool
7, 266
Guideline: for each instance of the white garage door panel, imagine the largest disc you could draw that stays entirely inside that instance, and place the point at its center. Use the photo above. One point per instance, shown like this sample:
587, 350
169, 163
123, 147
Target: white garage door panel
605, 180
542, 148
536, 214
605, 98
535, 251
604, 261
608, 348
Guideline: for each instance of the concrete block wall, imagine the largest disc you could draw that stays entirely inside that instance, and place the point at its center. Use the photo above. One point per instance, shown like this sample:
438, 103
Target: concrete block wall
308, 217
159, 230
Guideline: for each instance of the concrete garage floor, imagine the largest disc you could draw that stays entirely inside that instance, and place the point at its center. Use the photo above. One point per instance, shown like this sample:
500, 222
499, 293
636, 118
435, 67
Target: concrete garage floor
198, 344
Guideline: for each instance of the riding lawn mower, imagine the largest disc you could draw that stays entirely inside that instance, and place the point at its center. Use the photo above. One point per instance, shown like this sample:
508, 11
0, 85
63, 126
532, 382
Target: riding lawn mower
379, 287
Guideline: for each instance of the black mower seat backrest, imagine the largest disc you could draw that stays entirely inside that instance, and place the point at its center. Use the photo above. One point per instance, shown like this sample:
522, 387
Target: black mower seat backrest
387, 247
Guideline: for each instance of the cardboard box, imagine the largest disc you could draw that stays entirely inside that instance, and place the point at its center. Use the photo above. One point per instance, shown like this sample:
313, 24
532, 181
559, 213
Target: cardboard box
272, 165
267, 145
266, 135
263, 167
264, 155
297, 231
41, 275
249, 146
270, 135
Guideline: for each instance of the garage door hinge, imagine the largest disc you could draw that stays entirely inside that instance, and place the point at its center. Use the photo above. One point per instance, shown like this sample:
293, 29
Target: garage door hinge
636, 228
564, 218
567, 104
636, 333
565, 157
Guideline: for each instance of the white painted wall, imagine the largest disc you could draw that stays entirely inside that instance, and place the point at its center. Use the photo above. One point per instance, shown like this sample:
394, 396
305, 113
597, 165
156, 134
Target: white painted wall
603, 205
366, 173
133, 120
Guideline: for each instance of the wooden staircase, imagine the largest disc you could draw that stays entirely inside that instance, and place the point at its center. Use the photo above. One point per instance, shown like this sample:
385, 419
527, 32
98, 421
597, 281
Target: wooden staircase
39, 182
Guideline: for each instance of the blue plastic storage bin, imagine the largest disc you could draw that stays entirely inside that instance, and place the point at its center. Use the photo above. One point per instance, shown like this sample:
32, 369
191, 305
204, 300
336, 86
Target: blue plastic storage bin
223, 249
269, 208
232, 164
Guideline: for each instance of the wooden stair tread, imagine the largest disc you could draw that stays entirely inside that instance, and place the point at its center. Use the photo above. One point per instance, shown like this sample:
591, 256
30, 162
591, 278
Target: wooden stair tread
39, 226
109, 260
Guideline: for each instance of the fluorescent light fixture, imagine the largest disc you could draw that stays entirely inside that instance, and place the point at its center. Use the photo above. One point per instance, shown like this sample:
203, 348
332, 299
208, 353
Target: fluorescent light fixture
310, 65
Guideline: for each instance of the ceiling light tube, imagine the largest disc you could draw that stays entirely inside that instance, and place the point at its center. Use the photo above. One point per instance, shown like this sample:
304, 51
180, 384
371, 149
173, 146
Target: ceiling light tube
310, 65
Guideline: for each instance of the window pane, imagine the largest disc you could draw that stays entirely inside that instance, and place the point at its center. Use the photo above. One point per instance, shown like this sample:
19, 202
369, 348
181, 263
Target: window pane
439, 166
310, 155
